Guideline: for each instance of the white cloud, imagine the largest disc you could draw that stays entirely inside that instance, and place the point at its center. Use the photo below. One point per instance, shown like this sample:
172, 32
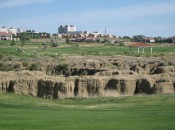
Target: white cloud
13, 3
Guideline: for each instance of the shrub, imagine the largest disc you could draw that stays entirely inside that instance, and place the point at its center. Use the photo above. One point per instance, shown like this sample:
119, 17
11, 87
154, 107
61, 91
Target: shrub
84, 73
25, 64
61, 69
67, 73
17, 66
137, 55
13, 43
121, 44
67, 40
161, 54
34, 67
54, 45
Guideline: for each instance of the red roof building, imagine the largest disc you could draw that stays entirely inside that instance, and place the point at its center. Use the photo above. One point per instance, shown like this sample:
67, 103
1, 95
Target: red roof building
5, 36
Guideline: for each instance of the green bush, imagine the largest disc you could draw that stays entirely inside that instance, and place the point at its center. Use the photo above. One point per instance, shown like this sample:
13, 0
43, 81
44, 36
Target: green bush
137, 55
67, 73
34, 67
61, 69
13, 43
54, 45
25, 64
121, 44
84, 73
161, 54
17, 66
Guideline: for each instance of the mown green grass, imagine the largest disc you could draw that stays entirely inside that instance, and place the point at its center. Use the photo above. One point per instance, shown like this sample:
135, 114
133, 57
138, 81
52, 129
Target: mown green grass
123, 113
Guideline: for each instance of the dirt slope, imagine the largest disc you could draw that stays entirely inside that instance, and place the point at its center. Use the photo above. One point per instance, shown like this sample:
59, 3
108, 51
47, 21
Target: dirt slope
115, 83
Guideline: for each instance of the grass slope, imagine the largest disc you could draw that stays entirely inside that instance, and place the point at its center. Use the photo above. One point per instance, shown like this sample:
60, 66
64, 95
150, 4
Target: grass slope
32, 49
122, 113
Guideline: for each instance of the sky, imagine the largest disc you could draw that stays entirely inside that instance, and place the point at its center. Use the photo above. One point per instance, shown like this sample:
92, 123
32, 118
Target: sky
119, 17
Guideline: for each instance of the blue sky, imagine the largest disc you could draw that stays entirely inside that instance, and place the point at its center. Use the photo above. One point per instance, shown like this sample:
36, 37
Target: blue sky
120, 17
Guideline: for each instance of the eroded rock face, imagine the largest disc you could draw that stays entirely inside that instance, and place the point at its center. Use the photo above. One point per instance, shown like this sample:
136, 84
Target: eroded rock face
163, 87
45, 88
144, 85
116, 83
163, 69
121, 86
19, 86
54, 89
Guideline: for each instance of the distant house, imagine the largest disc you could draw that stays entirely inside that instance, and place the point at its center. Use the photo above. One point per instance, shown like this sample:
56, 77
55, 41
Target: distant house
44, 35
171, 39
13, 31
5, 36
95, 34
144, 39
85, 39
149, 39
9, 30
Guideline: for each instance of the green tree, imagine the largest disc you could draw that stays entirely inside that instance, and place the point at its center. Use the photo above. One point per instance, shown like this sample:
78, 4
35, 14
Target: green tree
67, 40
24, 37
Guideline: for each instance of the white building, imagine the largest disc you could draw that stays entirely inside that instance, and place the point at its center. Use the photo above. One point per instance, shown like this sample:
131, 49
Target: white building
66, 29
13, 31
19, 30
5, 36
96, 34
4, 29
92, 34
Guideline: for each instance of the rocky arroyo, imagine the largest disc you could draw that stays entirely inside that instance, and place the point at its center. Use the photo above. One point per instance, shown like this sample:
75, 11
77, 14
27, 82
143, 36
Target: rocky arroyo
103, 84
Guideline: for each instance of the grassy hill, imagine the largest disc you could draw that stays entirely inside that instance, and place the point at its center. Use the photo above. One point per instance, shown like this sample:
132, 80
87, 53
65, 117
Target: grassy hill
156, 112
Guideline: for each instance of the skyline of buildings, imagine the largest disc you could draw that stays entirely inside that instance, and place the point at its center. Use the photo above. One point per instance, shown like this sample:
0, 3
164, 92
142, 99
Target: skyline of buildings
12, 30
70, 31
67, 29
